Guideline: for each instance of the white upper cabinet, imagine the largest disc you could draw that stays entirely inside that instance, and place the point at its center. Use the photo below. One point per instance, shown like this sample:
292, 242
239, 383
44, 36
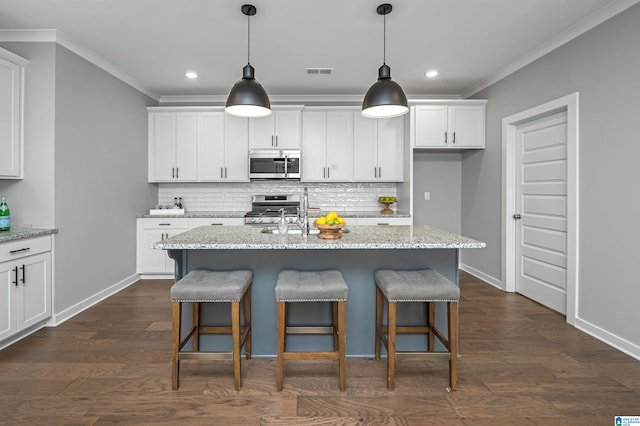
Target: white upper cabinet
378, 148
459, 126
197, 145
327, 145
222, 147
282, 129
173, 146
11, 84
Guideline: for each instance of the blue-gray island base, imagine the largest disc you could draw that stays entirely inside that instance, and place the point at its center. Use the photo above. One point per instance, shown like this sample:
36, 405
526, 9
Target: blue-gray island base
357, 255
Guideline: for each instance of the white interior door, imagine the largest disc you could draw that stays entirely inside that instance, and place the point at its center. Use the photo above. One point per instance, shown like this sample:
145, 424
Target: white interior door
541, 211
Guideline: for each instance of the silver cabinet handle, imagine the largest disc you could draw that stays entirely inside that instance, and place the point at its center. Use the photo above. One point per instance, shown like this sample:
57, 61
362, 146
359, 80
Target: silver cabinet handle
272, 141
276, 141
328, 172
379, 172
445, 137
324, 173
375, 172
221, 175
517, 216
225, 172
173, 173
454, 137
177, 172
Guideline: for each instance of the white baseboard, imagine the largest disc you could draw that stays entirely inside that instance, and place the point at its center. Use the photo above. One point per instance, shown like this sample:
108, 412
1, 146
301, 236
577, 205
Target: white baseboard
610, 339
60, 317
482, 276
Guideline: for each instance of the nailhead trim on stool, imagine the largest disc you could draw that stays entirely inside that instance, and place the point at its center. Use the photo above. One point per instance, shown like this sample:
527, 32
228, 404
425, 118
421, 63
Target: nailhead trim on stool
201, 286
427, 286
312, 286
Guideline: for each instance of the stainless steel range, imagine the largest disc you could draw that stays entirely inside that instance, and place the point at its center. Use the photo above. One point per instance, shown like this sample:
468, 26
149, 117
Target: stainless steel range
266, 209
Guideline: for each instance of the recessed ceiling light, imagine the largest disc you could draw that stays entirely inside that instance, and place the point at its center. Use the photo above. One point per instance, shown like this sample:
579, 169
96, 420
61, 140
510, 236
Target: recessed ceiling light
432, 73
192, 75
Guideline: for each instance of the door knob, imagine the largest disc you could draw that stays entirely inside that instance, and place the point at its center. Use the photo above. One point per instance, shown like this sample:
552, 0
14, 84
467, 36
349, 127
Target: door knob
517, 216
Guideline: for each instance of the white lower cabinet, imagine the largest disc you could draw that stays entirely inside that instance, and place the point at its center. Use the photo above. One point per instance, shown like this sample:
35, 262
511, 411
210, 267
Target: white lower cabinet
150, 261
25, 284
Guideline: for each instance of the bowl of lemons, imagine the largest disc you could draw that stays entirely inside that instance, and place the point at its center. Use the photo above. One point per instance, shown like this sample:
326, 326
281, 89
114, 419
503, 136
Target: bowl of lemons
329, 226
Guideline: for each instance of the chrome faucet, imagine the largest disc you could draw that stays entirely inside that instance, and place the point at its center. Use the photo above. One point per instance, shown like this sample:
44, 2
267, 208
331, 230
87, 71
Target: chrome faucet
303, 213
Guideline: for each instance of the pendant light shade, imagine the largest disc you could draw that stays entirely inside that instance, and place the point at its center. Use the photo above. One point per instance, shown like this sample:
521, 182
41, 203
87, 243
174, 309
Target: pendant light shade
247, 97
385, 98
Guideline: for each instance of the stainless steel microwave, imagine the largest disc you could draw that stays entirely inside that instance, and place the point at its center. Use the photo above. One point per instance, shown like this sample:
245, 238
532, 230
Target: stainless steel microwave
274, 164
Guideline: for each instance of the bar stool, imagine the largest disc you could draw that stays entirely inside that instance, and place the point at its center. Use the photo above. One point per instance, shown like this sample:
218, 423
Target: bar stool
200, 286
312, 286
416, 286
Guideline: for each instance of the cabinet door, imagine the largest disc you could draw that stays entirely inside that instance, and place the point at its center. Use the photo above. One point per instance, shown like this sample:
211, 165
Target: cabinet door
186, 146
211, 155
236, 148
466, 126
314, 146
34, 290
288, 129
390, 149
7, 300
339, 152
154, 261
431, 126
10, 127
162, 146
365, 163
261, 132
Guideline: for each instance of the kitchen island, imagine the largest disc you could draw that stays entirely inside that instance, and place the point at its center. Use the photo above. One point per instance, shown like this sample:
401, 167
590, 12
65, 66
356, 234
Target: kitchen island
360, 251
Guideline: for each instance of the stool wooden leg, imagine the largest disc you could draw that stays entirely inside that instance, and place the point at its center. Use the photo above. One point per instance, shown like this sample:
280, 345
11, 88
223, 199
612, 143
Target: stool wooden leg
280, 349
391, 345
176, 315
452, 315
378, 321
336, 324
235, 333
247, 323
431, 306
196, 324
342, 344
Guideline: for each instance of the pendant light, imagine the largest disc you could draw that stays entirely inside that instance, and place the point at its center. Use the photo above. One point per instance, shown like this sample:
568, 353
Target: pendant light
247, 97
385, 98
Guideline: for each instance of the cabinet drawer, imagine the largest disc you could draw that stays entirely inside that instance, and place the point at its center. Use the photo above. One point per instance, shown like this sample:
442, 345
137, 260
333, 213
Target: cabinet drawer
21, 248
215, 221
385, 221
165, 223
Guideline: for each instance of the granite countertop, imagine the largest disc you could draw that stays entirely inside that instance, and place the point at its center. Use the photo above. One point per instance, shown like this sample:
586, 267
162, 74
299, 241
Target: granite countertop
235, 214
358, 237
22, 233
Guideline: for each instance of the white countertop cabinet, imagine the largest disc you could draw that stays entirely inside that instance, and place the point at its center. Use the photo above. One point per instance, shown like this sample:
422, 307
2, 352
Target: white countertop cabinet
25, 284
327, 146
448, 126
282, 129
378, 148
223, 145
173, 146
11, 89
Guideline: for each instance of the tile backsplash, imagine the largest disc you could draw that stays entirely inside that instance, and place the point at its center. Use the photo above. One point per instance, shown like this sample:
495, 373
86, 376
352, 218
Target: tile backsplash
237, 196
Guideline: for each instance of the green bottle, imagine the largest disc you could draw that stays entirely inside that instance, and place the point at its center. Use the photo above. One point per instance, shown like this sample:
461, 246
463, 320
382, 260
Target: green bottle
5, 216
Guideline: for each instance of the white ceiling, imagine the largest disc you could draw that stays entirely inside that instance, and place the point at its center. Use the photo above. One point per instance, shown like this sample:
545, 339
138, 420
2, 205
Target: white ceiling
151, 43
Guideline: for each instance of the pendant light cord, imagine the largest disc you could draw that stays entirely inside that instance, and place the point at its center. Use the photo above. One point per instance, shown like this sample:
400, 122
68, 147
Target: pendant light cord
384, 39
248, 39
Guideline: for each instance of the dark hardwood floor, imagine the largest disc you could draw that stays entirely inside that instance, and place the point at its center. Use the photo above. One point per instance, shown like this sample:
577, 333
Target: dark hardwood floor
520, 364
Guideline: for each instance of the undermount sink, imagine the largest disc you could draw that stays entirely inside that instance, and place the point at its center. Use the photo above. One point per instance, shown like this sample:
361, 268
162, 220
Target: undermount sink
290, 231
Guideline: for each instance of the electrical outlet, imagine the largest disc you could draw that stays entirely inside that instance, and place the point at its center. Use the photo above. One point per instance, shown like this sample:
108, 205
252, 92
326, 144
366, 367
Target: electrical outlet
427, 196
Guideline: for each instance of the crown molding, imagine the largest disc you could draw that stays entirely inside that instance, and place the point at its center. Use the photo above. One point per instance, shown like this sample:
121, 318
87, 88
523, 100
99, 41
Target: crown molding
596, 18
56, 36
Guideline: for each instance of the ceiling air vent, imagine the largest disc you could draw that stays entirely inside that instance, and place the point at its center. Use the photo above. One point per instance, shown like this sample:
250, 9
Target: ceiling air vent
318, 71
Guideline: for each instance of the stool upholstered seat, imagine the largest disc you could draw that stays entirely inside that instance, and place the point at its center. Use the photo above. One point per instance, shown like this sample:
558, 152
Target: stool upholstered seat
201, 286
312, 286
426, 286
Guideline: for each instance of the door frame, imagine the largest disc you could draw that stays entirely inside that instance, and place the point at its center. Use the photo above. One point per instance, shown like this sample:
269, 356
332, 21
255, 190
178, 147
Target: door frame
569, 104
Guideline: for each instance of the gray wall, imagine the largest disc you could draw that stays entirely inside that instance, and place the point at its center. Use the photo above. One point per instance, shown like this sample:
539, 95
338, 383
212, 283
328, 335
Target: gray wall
603, 65
439, 174
31, 199
100, 178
